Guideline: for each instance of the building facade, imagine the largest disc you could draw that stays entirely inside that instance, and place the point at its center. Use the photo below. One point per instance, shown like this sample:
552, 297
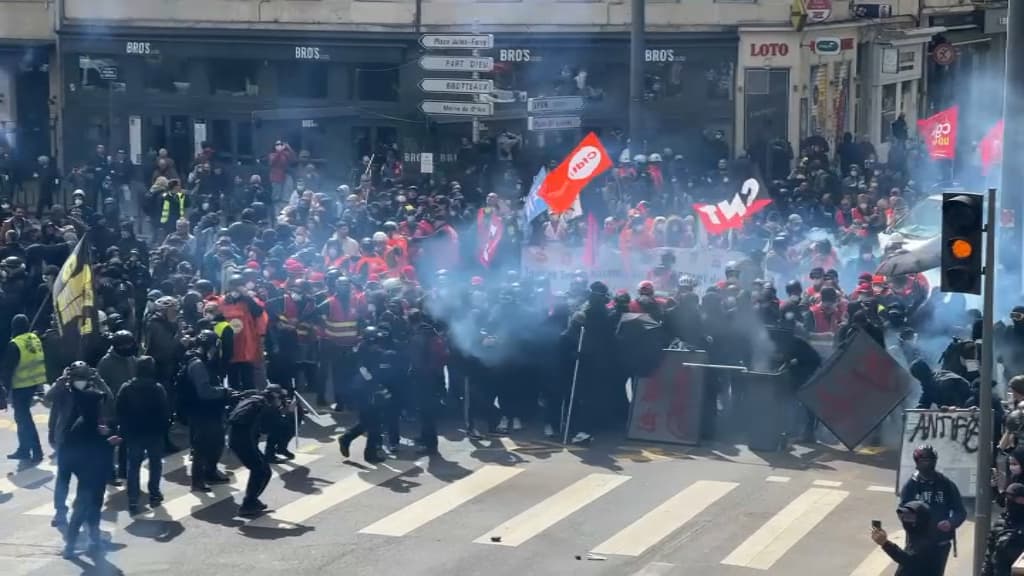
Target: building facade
344, 79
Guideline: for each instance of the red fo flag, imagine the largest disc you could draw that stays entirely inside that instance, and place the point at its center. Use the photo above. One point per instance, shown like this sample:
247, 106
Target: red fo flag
939, 133
724, 216
564, 184
991, 148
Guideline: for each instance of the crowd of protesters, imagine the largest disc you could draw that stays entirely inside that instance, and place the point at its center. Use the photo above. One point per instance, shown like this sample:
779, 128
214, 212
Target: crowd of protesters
223, 290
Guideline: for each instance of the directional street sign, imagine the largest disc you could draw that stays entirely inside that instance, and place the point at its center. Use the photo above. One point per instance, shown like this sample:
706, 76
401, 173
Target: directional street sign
456, 86
108, 73
555, 104
457, 108
457, 63
553, 123
457, 41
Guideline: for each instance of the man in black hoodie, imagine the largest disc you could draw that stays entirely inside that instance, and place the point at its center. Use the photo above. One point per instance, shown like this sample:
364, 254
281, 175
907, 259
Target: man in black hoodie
942, 496
1006, 540
204, 397
144, 417
922, 556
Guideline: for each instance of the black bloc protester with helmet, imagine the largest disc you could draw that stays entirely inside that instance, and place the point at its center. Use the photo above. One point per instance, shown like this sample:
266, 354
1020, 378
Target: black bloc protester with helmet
931, 487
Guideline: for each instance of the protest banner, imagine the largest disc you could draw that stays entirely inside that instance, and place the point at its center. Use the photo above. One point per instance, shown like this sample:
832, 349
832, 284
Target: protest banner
939, 133
855, 389
667, 406
953, 434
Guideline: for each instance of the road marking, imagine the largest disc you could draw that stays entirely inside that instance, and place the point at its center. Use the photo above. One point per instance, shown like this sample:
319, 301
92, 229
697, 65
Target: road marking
441, 502
187, 505
552, 510
764, 547
170, 466
656, 569
777, 479
827, 483
878, 561
654, 526
508, 444
298, 511
886, 489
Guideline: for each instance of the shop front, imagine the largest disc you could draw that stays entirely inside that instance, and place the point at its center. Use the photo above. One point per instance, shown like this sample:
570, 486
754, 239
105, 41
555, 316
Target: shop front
142, 91
25, 126
796, 84
891, 75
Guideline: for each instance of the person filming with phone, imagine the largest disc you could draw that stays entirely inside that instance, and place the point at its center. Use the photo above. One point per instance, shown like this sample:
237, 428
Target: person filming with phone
931, 487
922, 555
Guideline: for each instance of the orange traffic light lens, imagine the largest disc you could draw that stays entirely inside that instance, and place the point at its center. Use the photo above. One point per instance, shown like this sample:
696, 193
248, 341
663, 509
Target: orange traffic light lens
961, 249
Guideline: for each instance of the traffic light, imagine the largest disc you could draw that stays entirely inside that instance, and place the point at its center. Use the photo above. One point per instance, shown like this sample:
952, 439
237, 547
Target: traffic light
961, 266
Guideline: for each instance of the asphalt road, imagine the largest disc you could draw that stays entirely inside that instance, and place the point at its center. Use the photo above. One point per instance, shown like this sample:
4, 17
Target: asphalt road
498, 507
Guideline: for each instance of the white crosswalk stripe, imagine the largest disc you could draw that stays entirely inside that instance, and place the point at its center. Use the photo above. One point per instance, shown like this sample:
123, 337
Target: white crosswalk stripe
441, 502
654, 526
878, 561
549, 512
764, 547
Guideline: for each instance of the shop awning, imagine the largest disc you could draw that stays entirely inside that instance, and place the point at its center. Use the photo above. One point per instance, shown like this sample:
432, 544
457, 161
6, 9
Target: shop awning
316, 112
910, 36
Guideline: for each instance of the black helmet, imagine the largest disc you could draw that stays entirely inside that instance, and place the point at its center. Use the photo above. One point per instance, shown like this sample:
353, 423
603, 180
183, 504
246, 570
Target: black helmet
12, 262
1015, 421
599, 288
366, 245
154, 295
206, 340
204, 286
925, 451
302, 286
122, 338
794, 287
274, 391
389, 227
79, 369
731, 267
371, 334
185, 268
236, 281
332, 275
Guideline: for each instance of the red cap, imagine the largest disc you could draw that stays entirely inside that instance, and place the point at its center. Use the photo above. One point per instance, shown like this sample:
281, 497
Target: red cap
252, 265
293, 266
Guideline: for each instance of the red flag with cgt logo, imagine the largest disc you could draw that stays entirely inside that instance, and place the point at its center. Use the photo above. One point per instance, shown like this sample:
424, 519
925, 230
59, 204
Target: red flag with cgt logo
939, 133
564, 184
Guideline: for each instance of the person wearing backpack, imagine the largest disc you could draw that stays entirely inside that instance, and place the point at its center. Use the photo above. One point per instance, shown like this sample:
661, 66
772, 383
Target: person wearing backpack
203, 397
942, 497
143, 418
254, 415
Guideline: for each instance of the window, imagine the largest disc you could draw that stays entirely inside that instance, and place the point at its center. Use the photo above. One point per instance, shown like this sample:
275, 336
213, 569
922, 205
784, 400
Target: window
907, 60
166, 75
245, 138
100, 74
377, 82
888, 110
302, 80
220, 136
234, 77
757, 81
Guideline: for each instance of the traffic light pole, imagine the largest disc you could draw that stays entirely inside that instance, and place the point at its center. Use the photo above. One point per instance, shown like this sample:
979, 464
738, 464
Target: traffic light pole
636, 77
1013, 141
983, 491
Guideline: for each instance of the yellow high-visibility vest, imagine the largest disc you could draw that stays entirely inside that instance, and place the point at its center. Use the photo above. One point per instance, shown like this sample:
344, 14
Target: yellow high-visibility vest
219, 328
31, 370
165, 214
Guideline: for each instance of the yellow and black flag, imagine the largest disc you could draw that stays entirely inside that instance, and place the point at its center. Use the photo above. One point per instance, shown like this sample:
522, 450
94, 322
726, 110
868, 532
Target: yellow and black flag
74, 296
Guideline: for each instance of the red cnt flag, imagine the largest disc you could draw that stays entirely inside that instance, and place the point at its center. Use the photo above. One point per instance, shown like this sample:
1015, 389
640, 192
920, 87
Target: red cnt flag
724, 216
564, 184
991, 148
939, 133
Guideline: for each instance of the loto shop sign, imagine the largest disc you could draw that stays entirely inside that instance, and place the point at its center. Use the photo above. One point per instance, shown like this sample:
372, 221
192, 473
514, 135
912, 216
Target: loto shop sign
768, 49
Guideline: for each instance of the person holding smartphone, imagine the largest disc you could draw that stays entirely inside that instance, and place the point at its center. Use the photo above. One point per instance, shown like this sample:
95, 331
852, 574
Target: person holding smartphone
921, 555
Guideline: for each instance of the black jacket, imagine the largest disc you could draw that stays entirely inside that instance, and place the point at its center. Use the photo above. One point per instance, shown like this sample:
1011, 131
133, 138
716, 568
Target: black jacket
921, 556
142, 408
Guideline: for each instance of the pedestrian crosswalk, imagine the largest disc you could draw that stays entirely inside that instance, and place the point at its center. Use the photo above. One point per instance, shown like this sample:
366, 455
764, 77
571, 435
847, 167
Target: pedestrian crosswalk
630, 517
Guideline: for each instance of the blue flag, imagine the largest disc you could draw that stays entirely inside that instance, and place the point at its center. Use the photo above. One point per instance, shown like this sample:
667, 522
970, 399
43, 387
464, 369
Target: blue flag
535, 205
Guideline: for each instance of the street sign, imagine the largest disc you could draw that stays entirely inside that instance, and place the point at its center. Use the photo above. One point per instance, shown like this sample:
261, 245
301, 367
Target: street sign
108, 73
827, 46
553, 123
426, 163
457, 41
457, 63
456, 86
944, 54
555, 104
457, 108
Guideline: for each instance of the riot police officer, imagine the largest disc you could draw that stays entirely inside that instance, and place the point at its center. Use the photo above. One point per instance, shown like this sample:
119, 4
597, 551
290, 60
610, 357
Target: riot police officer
374, 369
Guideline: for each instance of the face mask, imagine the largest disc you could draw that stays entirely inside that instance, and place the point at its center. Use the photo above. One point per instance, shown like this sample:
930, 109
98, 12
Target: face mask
79, 201
266, 273
80, 384
250, 285
926, 467
971, 365
795, 298
235, 294
206, 205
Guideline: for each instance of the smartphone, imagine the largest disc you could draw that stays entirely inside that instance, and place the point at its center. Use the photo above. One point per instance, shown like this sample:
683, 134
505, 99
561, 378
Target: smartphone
876, 524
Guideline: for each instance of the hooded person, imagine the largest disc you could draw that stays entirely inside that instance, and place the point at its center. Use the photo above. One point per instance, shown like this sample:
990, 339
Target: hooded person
144, 419
116, 368
1006, 539
940, 388
921, 555
942, 497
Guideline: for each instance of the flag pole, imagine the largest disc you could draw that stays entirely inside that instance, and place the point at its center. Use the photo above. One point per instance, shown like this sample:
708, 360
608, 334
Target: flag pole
572, 391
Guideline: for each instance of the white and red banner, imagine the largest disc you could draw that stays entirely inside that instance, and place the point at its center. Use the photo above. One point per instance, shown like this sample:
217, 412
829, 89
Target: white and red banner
563, 185
991, 148
727, 215
939, 133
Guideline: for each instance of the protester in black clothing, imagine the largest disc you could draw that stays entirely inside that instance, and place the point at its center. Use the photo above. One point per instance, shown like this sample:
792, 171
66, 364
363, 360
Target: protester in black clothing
143, 420
428, 355
253, 416
1006, 539
942, 497
203, 397
922, 555
370, 392
940, 388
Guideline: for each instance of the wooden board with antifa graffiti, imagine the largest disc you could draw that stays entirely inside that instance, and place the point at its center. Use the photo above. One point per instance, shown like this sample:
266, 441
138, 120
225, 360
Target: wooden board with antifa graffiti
855, 389
953, 434
667, 406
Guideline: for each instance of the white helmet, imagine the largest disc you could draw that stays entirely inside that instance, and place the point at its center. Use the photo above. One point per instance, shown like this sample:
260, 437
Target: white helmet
639, 159
655, 157
624, 157
380, 237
